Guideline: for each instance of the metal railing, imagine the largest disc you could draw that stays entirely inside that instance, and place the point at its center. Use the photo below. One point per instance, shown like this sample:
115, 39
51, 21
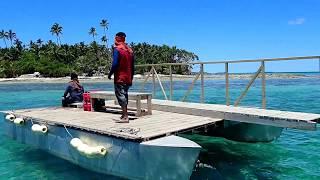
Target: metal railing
260, 71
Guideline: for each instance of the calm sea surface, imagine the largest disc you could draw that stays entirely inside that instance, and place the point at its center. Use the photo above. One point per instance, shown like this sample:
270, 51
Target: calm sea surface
295, 155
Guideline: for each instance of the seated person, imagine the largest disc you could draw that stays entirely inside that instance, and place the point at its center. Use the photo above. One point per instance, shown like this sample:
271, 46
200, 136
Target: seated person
73, 92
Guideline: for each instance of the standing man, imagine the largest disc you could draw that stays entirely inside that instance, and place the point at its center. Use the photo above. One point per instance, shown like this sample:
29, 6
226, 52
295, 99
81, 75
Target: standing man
123, 70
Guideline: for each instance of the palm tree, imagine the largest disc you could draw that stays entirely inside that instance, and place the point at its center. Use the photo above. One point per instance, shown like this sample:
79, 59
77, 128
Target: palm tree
18, 44
105, 25
34, 47
39, 42
4, 36
104, 40
56, 30
93, 32
11, 35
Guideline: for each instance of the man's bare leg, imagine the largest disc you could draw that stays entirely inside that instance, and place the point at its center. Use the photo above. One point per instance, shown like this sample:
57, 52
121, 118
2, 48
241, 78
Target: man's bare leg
124, 117
125, 113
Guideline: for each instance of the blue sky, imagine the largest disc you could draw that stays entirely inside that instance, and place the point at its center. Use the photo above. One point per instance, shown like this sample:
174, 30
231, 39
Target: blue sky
214, 30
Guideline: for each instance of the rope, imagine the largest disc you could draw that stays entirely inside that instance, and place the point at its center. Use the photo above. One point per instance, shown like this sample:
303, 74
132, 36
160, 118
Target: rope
67, 131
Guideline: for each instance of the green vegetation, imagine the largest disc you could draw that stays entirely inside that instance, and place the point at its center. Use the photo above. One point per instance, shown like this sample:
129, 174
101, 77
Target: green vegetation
55, 59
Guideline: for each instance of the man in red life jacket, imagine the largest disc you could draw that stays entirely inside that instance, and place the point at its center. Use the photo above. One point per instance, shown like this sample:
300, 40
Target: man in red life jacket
123, 70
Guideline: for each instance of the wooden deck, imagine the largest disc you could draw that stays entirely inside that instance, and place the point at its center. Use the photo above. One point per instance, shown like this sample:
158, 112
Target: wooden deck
169, 117
140, 129
286, 119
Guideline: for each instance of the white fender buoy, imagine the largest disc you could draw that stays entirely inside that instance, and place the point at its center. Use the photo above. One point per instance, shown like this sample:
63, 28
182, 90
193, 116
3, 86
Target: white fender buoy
88, 151
39, 128
44, 129
84, 149
75, 142
91, 152
96, 151
101, 150
10, 117
18, 121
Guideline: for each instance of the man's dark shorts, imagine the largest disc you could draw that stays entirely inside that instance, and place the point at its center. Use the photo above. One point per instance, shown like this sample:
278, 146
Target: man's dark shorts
121, 91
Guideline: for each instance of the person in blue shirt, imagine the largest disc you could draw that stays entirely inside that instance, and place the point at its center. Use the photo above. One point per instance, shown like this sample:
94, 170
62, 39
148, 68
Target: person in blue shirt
74, 91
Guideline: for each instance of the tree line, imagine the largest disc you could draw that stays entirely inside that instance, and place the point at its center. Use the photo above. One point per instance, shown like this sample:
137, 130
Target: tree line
57, 59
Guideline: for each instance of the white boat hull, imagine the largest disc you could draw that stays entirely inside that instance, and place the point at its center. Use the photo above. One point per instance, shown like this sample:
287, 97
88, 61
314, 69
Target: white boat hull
246, 132
169, 157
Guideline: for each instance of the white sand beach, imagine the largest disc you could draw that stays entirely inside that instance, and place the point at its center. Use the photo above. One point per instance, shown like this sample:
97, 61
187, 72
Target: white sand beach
138, 77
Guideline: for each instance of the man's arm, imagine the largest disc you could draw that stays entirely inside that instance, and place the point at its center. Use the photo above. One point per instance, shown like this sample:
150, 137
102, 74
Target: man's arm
82, 89
132, 68
115, 63
67, 91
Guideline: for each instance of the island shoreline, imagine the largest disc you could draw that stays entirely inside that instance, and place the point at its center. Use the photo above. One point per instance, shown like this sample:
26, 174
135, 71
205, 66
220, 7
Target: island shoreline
140, 78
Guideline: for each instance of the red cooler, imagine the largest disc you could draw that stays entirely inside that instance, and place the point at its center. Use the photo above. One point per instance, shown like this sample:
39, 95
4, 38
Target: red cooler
87, 107
86, 101
86, 97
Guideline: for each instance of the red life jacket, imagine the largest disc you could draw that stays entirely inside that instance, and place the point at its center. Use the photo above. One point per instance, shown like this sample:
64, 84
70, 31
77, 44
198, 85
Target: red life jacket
123, 74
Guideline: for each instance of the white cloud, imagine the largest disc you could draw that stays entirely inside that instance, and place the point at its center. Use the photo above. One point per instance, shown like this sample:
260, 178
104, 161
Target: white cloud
297, 21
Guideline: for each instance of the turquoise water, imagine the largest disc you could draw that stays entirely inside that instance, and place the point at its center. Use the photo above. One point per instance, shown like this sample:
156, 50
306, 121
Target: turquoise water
295, 155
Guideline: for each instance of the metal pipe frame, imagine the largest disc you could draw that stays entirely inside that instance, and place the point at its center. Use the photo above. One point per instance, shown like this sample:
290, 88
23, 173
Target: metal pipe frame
227, 83
261, 71
248, 86
236, 61
191, 87
164, 93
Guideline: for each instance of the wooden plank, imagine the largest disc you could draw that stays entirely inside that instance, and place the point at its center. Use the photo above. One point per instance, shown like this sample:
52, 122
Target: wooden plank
250, 115
172, 130
148, 126
228, 109
106, 94
182, 125
154, 122
166, 121
169, 117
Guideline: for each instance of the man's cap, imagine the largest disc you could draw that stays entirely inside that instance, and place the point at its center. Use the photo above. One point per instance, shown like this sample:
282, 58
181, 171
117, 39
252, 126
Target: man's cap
121, 34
